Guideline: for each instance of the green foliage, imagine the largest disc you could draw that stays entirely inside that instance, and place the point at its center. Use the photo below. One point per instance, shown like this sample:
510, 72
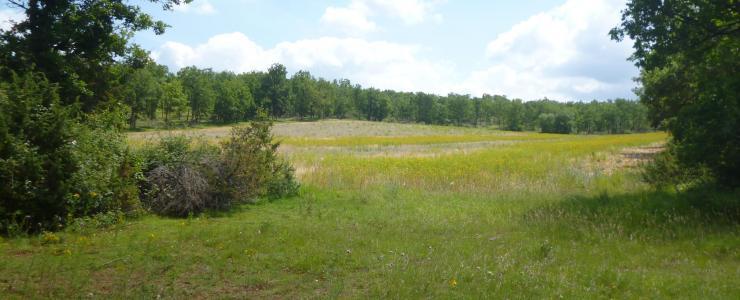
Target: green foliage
273, 94
688, 55
53, 166
522, 218
227, 98
665, 170
142, 91
173, 100
304, 95
234, 100
75, 44
250, 168
36, 146
198, 86
106, 176
185, 177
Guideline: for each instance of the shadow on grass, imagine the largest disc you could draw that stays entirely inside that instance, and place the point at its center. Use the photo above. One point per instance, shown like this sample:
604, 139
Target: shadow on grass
646, 216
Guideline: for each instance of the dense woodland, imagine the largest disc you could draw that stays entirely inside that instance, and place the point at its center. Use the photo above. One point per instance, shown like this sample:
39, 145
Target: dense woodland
196, 95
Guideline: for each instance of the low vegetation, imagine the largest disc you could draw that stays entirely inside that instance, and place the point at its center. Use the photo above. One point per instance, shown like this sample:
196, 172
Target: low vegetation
530, 218
186, 176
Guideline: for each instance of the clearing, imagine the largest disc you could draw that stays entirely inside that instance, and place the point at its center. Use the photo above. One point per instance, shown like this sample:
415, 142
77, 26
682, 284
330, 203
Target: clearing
412, 211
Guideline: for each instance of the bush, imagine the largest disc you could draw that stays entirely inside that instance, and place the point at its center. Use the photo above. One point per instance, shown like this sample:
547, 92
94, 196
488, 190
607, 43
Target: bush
666, 171
184, 177
249, 166
178, 190
105, 179
55, 166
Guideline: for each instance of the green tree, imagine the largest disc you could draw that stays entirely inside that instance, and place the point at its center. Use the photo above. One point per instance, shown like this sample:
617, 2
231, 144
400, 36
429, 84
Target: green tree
304, 94
688, 53
75, 44
459, 108
173, 99
198, 87
142, 92
274, 91
233, 100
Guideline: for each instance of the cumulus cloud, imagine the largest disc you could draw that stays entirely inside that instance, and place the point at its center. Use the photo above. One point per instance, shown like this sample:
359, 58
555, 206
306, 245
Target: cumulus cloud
351, 20
8, 17
372, 63
564, 53
201, 7
355, 17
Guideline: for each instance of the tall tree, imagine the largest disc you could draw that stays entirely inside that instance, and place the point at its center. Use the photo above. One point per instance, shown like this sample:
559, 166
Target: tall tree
75, 43
173, 99
141, 91
689, 56
304, 94
198, 87
274, 91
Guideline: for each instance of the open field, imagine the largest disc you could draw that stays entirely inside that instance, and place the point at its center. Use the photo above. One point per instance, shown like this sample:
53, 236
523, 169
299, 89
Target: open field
412, 211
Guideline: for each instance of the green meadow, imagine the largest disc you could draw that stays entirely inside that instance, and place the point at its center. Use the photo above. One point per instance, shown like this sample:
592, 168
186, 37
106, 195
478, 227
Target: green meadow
412, 211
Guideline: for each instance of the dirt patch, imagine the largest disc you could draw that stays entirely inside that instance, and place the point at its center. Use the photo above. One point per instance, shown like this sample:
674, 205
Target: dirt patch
628, 158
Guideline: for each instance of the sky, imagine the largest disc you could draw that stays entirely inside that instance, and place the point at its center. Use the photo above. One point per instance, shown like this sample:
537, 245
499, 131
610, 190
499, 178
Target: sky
559, 49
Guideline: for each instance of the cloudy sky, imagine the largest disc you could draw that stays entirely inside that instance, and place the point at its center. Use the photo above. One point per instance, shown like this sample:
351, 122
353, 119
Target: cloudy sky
530, 49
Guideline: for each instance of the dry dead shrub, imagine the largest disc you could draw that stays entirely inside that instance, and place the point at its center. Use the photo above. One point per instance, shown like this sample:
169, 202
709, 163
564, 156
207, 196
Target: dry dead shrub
178, 190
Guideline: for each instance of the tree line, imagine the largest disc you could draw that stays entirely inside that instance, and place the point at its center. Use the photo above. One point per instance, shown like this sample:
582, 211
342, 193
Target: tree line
194, 95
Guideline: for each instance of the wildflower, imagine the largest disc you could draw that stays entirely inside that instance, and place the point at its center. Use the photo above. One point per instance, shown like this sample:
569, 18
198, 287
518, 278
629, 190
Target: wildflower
49, 238
453, 282
67, 252
151, 235
93, 194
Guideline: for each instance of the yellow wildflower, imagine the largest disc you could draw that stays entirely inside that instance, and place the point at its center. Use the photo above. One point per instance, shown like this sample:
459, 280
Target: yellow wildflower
49, 238
453, 282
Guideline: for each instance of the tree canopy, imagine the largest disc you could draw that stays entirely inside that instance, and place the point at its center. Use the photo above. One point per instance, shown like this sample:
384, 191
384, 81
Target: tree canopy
689, 56
76, 44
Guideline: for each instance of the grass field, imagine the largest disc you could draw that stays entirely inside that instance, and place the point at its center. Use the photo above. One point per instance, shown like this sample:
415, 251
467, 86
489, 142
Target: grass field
412, 211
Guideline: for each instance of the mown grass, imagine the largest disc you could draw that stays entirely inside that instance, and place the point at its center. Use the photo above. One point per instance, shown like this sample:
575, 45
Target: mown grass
536, 218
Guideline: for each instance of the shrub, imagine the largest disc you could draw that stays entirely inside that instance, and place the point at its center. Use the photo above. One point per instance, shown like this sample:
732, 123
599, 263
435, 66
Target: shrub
105, 179
667, 171
186, 177
250, 166
54, 166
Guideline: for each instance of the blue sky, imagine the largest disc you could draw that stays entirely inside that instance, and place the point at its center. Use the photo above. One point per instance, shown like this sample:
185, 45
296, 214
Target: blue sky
525, 49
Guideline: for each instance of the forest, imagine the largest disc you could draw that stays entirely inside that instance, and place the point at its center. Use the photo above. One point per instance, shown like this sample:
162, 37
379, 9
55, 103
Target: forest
197, 95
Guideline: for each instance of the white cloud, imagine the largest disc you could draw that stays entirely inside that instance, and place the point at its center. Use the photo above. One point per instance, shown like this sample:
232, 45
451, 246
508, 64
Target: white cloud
355, 17
200, 7
231, 51
372, 63
351, 20
8, 17
564, 53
